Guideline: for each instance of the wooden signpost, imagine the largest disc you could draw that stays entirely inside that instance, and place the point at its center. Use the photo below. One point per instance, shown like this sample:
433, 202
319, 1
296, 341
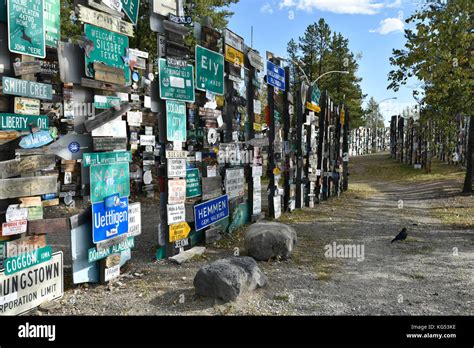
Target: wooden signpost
32, 186
26, 164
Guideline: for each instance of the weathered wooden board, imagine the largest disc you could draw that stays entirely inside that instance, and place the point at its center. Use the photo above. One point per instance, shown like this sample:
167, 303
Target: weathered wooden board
97, 4
105, 117
25, 68
27, 202
211, 187
109, 74
25, 244
24, 165
109, 144
105, 21
59, 225
89, 83
50, 202
33, 186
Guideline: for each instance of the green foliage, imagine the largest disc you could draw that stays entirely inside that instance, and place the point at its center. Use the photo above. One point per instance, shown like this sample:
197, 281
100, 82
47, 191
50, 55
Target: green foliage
372, 116
199, 9
145, 39
70, 26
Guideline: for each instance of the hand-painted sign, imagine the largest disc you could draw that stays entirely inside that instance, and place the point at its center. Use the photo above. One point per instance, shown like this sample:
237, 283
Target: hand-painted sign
45, 283
95, 255
235, 182
52, 22
108, 179
175, 121
24, 88
26, 34
26, 106
209, 71
14, 227
176, 83
177, 168
134, 219
23, 122
130, 7
179, 231
35, 140
108, 48
109, 222
275, 76
176, 191
105, 21
210, 212
106, 158
176, 213
193, 183
27, 260
234, 56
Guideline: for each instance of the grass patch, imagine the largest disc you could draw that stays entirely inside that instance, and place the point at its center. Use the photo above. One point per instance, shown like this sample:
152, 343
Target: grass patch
462, 217
303, 215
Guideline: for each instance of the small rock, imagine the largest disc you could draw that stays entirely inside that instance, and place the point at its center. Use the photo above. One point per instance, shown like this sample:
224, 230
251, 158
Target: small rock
49, 306
183, 278
267, 240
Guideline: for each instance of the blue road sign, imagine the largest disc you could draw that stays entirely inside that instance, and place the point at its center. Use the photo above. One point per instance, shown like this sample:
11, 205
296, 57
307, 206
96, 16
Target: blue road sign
275, 76
207, 213
111, 222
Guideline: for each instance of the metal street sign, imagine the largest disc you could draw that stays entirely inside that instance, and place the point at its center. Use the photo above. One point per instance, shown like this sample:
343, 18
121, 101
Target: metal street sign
176, 213
89, 159
234, 56
210, 212
176, 168
134, 219
109, 222
14, 227
179, 231
27, 260
175, 121
193, 183
109, 179
34, 140
256, 60
176, 83
26, 34
275, 76
52, 22
105, 21
95, 255
176, 191
108, 48
209, 71
165, 7
235, 182
37, 289
24, 88
106, 102
26, 106
23, 122
315, 94
130, 7
234, 40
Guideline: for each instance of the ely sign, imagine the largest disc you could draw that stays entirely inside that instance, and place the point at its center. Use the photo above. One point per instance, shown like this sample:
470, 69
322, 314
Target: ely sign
176, 83
275, 76
209, 71
210, 212
23, 122
109, 222
25, 88
176, 121
108, 48
26, 34
109, 179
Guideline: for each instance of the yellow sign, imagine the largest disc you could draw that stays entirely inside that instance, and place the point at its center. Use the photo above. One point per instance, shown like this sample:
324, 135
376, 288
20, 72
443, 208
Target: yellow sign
179, 231
276, 171
257, 127
233, 56
343, 117
312, 107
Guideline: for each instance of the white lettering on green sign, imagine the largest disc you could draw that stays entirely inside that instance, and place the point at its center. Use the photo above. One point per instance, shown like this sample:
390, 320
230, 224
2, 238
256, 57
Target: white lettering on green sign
24, 88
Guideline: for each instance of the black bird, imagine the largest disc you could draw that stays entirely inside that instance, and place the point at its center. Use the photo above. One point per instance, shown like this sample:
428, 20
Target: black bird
401, 236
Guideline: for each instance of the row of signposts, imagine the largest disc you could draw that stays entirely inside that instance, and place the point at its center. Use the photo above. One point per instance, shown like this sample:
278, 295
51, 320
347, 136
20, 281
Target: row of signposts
97, 123
364, 141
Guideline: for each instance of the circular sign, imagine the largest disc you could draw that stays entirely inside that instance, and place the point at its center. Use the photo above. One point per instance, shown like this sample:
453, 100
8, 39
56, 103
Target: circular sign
212, 136
135, 76
74, 147
147, 178
151, 76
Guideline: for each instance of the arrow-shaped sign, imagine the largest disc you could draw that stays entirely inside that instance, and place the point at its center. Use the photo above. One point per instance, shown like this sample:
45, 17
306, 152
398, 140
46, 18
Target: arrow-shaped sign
179, 231
71, 146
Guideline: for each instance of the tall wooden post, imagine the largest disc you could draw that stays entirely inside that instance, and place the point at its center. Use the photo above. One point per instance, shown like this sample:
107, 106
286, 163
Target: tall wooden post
299, 152
271, 150
286, 132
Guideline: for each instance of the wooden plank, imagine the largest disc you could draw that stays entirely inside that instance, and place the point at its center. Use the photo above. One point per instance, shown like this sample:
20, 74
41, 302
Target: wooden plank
27, 202
24, 165
105, 21
25, 68
109, 144
33, 186
59, 225
50, 202
105, 73
105, 117
211, 187
89, 83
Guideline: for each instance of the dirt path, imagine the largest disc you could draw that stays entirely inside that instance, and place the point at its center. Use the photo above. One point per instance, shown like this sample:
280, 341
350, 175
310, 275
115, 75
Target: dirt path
431, 273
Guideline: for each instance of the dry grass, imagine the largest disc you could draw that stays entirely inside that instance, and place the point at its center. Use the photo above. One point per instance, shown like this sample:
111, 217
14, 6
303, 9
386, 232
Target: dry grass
460, 217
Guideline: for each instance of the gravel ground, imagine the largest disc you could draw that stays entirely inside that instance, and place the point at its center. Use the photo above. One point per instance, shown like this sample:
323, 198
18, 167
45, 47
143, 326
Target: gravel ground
431, 273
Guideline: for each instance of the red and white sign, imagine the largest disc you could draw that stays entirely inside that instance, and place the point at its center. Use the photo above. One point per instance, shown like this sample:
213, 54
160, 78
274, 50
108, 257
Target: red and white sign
176, 191
14, 227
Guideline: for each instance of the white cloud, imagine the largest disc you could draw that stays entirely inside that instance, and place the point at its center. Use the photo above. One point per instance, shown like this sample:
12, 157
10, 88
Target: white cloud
395, 3
267, 8
368, 7
389, 25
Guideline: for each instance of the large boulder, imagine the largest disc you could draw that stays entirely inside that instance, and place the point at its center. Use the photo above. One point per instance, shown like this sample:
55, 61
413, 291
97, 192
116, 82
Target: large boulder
227, 279
266, 240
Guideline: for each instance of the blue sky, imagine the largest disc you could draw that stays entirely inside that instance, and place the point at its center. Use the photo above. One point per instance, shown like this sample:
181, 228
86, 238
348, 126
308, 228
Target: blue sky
373, 27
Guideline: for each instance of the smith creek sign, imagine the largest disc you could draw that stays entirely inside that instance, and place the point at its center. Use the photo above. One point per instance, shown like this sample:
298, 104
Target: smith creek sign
176, 83
109, 179
25, 88
108, 48
26, 33
23, 122
210, 212
209, 71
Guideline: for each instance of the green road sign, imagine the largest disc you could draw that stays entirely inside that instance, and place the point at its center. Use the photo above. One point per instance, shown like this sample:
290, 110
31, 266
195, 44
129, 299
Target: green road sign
108, 48
27, 260
109, 179
22, 122
315, 94
193, 184
106, 102
95, 255
26, 34
176, 83
52, 22
130, 7
89, 159
209, 71
24, 88
175, 121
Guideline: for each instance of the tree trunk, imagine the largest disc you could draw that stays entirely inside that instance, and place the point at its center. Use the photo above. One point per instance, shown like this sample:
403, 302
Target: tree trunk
469, 157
